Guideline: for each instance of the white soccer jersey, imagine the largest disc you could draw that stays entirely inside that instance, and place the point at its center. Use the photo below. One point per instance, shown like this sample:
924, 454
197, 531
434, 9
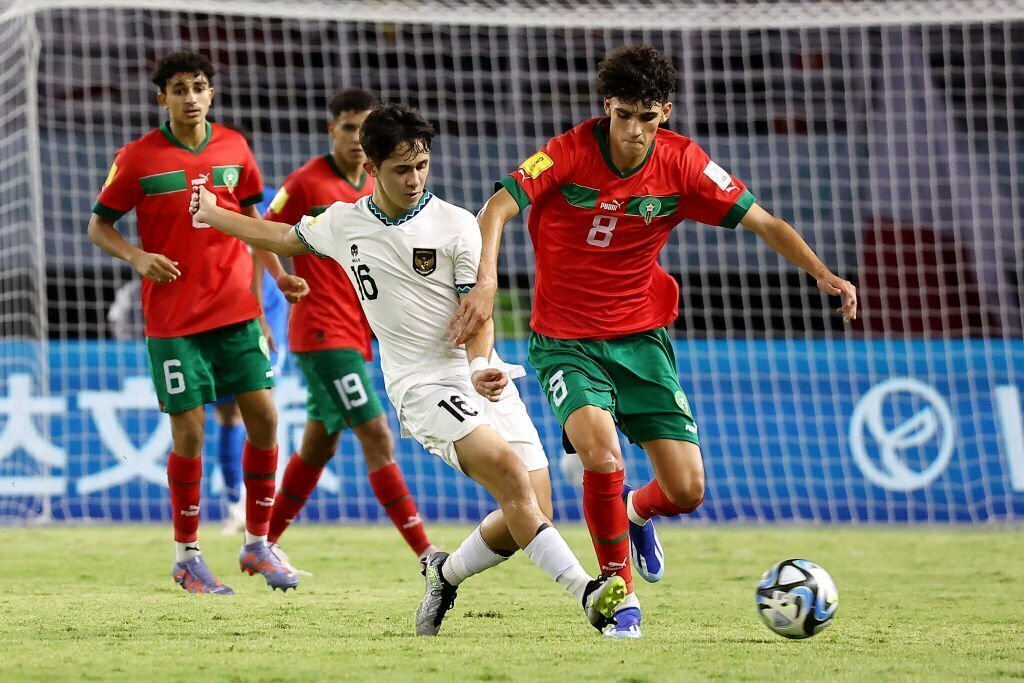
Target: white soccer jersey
408, 273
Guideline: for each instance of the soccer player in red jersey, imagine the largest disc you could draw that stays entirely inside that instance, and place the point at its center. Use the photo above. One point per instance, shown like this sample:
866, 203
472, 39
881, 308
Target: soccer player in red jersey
202, 332
331, 339
605, 196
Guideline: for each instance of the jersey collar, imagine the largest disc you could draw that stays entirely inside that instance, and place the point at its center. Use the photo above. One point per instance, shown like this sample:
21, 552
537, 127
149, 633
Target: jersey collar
165, 128
601, 133
405, 217
337, 171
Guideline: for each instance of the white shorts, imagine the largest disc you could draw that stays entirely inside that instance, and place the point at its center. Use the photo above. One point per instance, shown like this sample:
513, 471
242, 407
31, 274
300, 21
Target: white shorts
440, 413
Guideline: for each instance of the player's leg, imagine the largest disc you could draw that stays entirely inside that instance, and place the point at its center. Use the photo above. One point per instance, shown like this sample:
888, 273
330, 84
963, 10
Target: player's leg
242, 368
184, 383
582, 396
301, 476
388, 484
230, 438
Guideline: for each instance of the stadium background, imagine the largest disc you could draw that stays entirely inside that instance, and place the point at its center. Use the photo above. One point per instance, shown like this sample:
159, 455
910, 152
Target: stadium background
888, 133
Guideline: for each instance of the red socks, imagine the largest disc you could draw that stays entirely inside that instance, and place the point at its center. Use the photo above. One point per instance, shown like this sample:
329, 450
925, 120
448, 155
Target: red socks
649, 500
183, 477
259, 469
605, 513
300, 478
389, 487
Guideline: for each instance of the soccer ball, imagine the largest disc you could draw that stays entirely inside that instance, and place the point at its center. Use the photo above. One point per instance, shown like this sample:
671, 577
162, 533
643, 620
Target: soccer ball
797, 599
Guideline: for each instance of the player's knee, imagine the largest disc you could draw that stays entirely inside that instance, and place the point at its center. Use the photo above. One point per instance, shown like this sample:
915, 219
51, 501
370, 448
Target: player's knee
513, 482
601, 459
686, 493
375, 439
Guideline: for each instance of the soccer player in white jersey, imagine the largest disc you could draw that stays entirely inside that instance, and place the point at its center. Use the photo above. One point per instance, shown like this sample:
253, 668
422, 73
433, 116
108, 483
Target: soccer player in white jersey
410, 257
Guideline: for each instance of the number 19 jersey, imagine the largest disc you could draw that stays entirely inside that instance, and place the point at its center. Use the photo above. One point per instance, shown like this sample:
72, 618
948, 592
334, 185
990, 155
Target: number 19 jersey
597, 233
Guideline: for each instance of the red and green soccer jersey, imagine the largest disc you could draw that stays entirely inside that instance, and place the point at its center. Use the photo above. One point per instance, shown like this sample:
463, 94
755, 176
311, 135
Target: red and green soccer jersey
330, 316
597, 234
154, 176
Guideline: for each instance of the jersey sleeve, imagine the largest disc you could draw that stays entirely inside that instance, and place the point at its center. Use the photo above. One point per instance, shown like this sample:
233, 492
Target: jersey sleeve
250, 188
319, 233
289, 204
466, 256
121, 190
540, 173
715, 196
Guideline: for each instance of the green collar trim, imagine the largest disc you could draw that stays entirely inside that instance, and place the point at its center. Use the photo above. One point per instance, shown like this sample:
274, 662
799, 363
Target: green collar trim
602, 142
405, 217
165, 128
337, 170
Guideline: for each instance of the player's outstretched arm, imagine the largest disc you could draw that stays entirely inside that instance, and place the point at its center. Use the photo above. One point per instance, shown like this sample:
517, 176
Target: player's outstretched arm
155, 267
780, 236
489, 382
477, 306
276, 237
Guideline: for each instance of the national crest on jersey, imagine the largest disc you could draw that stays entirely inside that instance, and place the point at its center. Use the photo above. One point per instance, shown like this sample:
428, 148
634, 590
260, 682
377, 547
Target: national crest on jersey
407, 273
597, 232
154, 176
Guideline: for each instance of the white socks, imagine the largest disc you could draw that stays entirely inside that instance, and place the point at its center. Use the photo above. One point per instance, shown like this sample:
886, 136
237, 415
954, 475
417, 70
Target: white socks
183, 552
549, 551
250, 538
631, 511
472, 557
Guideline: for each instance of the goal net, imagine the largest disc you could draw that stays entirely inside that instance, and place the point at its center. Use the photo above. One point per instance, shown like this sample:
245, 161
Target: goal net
888, 133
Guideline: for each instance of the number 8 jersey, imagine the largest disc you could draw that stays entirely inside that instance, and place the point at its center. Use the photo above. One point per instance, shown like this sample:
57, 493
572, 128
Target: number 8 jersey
408, 273
597, 233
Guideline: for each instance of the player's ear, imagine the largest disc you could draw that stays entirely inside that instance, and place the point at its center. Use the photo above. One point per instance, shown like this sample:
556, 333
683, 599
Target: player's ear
370, 169
161, 98
607, 107
666, 110
212, 93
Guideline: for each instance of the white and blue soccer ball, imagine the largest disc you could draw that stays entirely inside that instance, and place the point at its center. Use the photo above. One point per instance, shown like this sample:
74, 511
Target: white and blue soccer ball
797, 599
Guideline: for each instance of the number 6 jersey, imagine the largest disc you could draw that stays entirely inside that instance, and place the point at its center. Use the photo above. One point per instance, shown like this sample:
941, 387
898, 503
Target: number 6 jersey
408, 273
597, 233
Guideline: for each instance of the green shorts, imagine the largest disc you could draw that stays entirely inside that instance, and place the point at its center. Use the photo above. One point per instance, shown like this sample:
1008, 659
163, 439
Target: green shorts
634, 378
339, 392
200, 368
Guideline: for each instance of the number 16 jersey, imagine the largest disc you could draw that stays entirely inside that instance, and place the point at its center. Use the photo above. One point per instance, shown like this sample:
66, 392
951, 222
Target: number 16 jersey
597, 233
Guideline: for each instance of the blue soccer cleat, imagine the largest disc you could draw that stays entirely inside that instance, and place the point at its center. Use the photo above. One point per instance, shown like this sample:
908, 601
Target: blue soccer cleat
258, 558
626, 624
602, 596
195, 577
645, 549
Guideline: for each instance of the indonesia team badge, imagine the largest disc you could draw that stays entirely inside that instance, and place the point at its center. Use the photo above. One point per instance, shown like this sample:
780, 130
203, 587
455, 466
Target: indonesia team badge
424, 261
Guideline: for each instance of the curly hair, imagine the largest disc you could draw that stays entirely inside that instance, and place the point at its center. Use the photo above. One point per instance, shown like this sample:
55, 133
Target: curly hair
389, 127
636, 73
184, 62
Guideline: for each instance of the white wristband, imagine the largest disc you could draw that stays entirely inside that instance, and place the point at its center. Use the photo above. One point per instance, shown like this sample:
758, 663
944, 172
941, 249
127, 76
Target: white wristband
477, 364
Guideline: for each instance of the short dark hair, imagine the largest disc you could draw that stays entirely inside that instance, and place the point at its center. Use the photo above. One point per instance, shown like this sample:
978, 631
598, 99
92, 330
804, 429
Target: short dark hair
636, 74
185, 62
352, 99
389, 127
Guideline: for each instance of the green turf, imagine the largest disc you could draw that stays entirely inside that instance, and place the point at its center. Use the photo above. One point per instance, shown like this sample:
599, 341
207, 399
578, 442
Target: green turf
98, 603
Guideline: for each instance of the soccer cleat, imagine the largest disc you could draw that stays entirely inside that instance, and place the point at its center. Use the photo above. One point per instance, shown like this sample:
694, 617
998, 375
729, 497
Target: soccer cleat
278, 552
257, 557
439, 596
195, 577
625, 624
645, 551
602, 596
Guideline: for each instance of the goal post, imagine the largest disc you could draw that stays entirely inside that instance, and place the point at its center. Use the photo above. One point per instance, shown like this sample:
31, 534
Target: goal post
890, 133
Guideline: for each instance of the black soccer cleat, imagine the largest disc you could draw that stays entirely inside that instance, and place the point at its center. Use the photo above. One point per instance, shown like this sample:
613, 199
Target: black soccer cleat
438, 598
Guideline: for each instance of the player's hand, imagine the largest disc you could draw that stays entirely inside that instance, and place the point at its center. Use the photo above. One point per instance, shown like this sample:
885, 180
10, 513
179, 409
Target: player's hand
474, 311
155, 267
293, 287
202, 204
267, 333
834, 285
490, 383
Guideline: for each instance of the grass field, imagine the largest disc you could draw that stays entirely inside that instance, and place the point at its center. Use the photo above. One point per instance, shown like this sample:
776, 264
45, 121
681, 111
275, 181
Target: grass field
98, 603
